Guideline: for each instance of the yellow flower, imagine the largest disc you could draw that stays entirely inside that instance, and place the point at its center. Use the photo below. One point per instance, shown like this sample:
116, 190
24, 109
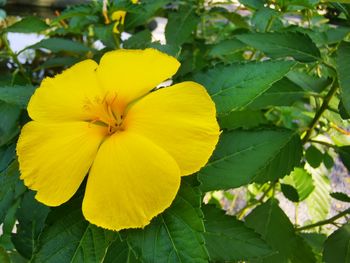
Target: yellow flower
119, 18
107, 120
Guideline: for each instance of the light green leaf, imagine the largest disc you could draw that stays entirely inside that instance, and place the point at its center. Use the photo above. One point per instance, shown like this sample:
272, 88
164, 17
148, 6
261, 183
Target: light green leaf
274, 226
180, 25
16, 95
29, 24
319, 200
287, 44
70, 238
236, 86
228, 239
302, 181
177, 234
337, 246
242, 157
343, 69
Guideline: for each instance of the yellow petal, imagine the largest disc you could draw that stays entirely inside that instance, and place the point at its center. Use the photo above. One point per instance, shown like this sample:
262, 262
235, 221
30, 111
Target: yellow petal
54, 158
131, 181
64, 97
181, 119
132, 73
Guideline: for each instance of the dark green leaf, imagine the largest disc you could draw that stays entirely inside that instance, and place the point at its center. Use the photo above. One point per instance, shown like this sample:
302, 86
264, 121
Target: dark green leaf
169, 49
342, 111
60, 44
344, 154
31, 217
287, 44
16, 95
29, 24
59, 62
315, 241
228, 239
340, 196
255, 4
120, 252
242, 157
328, 160
177, 234
337, 246
314, 156
236, 86
68, 237
290, 192
106, 35
274, 226
180, 25
7, 155
4, 257
343, 69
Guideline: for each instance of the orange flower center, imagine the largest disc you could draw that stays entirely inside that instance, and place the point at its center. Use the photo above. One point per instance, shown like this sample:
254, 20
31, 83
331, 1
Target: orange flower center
106, 111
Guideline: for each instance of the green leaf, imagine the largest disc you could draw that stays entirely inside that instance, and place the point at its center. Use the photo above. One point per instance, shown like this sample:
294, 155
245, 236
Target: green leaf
7, 155
282, 93
341, 196
342, 111
337, 246
4, 257
236, 86
169, 49
9, 127
242, 157
287, 44
226, 47
60, 44
120, 252
344, 154
29, 24
176, 235
274, 226
319, 200
315, 241
228, 239
309, 82
302, 181
255, 4
290, 192
266, 18
180, 25
16, 95
242, 119
11, 188
314, 156
343, 69
106, 35
68, 237
140, 40
31, 217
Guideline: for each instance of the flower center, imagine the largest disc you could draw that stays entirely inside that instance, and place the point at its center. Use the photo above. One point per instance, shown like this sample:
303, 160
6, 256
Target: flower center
104, 111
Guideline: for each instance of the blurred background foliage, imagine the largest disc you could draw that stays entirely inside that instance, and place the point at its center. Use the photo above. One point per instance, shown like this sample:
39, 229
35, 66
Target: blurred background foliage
277, 186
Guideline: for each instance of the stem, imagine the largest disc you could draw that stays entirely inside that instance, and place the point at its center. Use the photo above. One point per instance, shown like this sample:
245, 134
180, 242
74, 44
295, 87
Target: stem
15, 59
319, 113
325, 222
323, 143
